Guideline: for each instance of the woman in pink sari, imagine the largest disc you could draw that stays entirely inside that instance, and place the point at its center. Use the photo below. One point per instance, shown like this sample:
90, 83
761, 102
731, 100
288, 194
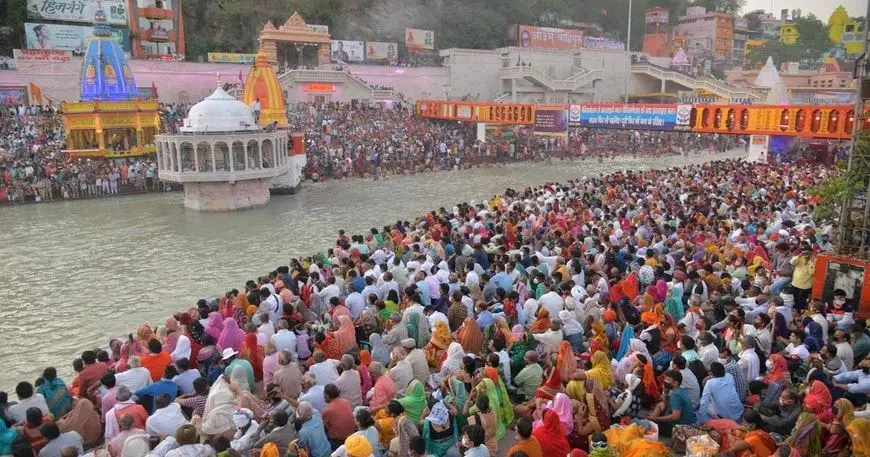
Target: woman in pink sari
346, 334
231, 336
384, 389
215, 325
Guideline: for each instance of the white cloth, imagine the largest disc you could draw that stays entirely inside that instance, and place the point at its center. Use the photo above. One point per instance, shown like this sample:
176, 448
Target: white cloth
243, 441
324, 372
845, 353
749, 363
182, 349
18, 411
800, 351
552, 302
165, 421
284, 340
134, 378
112, 429
314, 395
217, 416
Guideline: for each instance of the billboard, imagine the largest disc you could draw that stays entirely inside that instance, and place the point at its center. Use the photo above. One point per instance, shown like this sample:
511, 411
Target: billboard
317, 28
348, 51
77, 10
376, 50
231, 57
420, 39
41, 55
603, 44
551, 122
68, 37
632, 116
548, 38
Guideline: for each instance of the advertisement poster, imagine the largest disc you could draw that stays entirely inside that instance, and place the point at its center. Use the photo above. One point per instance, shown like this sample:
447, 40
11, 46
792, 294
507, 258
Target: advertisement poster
629, 116
684, 117
376, 50
231, 57
347, 51
603, 44
548, 38
68, 37
41, 55
420, 39
77, 10
10, 96
551, 122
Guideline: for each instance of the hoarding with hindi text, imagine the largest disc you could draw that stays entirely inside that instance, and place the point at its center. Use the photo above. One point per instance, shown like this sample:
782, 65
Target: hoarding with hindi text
68, 37
77, 11
548, 38
378, 50
625, 116
419, 39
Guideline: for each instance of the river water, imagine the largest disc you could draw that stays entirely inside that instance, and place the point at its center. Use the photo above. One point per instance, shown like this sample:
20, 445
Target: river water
75, 274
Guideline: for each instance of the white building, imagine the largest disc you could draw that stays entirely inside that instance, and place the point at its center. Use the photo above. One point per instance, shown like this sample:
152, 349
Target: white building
224, 160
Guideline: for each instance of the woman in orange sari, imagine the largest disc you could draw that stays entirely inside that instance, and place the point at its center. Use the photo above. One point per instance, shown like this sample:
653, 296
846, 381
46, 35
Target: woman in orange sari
254, 354
470, 336
542, 323
755, 442
566, 364
437, 347
504, 332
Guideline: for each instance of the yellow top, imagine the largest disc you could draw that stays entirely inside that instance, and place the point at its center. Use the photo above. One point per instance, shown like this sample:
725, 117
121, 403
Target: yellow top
804, 270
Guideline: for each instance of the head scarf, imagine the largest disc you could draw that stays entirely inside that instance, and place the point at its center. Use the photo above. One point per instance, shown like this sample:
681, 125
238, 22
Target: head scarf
859, 432
365, 357
601, 370
517, 331
84, 420
845, 410
439, 415
453, 363
243, 417
495, 405
346, 333
357, 446
542, 323
492, 374
674, 303
551, 386
627, 396
566, 364
779, 371
441, 335
215, 325
807, 435
253, 353
561, 405
379, 350
470, 336
627, 336
231, 335
505, 331
414, 401
136, 446
551, 437
818, 398
145, 334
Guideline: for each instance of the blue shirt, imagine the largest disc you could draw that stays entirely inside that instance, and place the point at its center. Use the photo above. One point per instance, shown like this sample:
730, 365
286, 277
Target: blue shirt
721, 394
679, 399
423, 288
503, 280
313, 437
161, 387
485, 318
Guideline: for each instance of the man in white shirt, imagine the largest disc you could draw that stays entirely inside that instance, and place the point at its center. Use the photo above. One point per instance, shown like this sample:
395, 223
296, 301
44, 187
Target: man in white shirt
284, 340
355, 304
844, 349
265, 328
312, 392
796, 347
690, 381
388, 285
323, 369
167, 418
762, 333
707, 350
370, 289
552, 301
270, 304
331, 290
136, 377
748, 360
402, 373
27, 399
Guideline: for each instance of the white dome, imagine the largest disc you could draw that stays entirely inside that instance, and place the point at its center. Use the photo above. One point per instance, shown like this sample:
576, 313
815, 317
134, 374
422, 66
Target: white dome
219, 112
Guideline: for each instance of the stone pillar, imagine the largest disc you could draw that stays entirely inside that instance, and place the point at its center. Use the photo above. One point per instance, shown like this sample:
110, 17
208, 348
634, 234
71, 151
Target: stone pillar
232, 157
213, 163
195, 158
300, 50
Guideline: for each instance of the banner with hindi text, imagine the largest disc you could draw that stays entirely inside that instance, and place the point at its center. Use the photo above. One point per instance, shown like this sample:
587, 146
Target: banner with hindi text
419, 39
77, 10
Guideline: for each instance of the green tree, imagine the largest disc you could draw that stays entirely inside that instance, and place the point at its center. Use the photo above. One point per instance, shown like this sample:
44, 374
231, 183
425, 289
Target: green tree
779, 51
731, 7
813, 37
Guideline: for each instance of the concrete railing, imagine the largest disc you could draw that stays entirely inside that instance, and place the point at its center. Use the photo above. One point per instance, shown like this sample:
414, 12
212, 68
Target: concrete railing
325, 76
223, 175
718, 88
578, 79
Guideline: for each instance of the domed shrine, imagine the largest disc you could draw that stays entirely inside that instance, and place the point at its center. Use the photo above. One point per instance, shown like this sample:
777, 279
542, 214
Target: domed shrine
110, 120
224, 160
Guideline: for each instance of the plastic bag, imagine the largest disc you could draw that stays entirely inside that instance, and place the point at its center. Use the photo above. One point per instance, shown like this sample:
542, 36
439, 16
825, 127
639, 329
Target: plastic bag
701, 446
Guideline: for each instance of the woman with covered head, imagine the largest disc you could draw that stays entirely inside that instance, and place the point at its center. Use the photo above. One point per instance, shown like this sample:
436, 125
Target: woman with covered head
436, 349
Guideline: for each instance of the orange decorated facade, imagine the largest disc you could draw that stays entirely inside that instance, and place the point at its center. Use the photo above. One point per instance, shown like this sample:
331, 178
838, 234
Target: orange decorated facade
815, 121
262, 86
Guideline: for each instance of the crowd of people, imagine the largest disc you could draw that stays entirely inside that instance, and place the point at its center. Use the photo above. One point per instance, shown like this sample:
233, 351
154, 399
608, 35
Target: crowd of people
344, 140
633, 314
34, 168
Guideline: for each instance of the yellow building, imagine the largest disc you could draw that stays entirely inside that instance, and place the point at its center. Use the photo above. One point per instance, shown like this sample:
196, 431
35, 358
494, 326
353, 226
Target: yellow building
261, 86
837, 24
788, 34
845, 30
749, 46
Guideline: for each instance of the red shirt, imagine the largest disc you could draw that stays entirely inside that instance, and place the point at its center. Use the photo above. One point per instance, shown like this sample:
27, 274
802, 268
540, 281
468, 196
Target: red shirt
156, 363
338, 419
89, 377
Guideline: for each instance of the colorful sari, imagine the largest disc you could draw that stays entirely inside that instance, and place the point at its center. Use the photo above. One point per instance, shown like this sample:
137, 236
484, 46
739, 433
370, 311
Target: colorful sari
470, 336
551, 437
542, 322
818, 400
506, 409
488, 388
438, 343
57, 396
414, 401
457, 395
859, 432
601, 370
566, 364
806, 438
253, 353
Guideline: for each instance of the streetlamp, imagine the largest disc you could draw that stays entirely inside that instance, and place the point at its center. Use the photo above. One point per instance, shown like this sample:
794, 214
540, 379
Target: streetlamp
627, 54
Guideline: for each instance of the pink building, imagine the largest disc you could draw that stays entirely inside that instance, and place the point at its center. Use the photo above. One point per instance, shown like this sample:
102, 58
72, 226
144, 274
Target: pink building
710, 34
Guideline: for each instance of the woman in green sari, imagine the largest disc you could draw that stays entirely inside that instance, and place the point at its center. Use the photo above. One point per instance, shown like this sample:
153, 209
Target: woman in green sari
488, 388
440, 431
55, 392
455, 396
505, 407
414, 402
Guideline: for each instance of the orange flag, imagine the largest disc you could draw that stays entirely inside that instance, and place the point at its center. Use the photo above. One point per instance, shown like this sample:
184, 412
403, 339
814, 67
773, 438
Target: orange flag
36, 93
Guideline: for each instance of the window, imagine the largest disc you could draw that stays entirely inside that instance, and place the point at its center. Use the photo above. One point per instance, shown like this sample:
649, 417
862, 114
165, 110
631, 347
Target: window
816, 121
833, 121
801, 118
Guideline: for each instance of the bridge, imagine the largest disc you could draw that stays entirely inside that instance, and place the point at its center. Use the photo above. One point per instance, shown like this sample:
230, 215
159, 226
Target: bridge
832, 122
